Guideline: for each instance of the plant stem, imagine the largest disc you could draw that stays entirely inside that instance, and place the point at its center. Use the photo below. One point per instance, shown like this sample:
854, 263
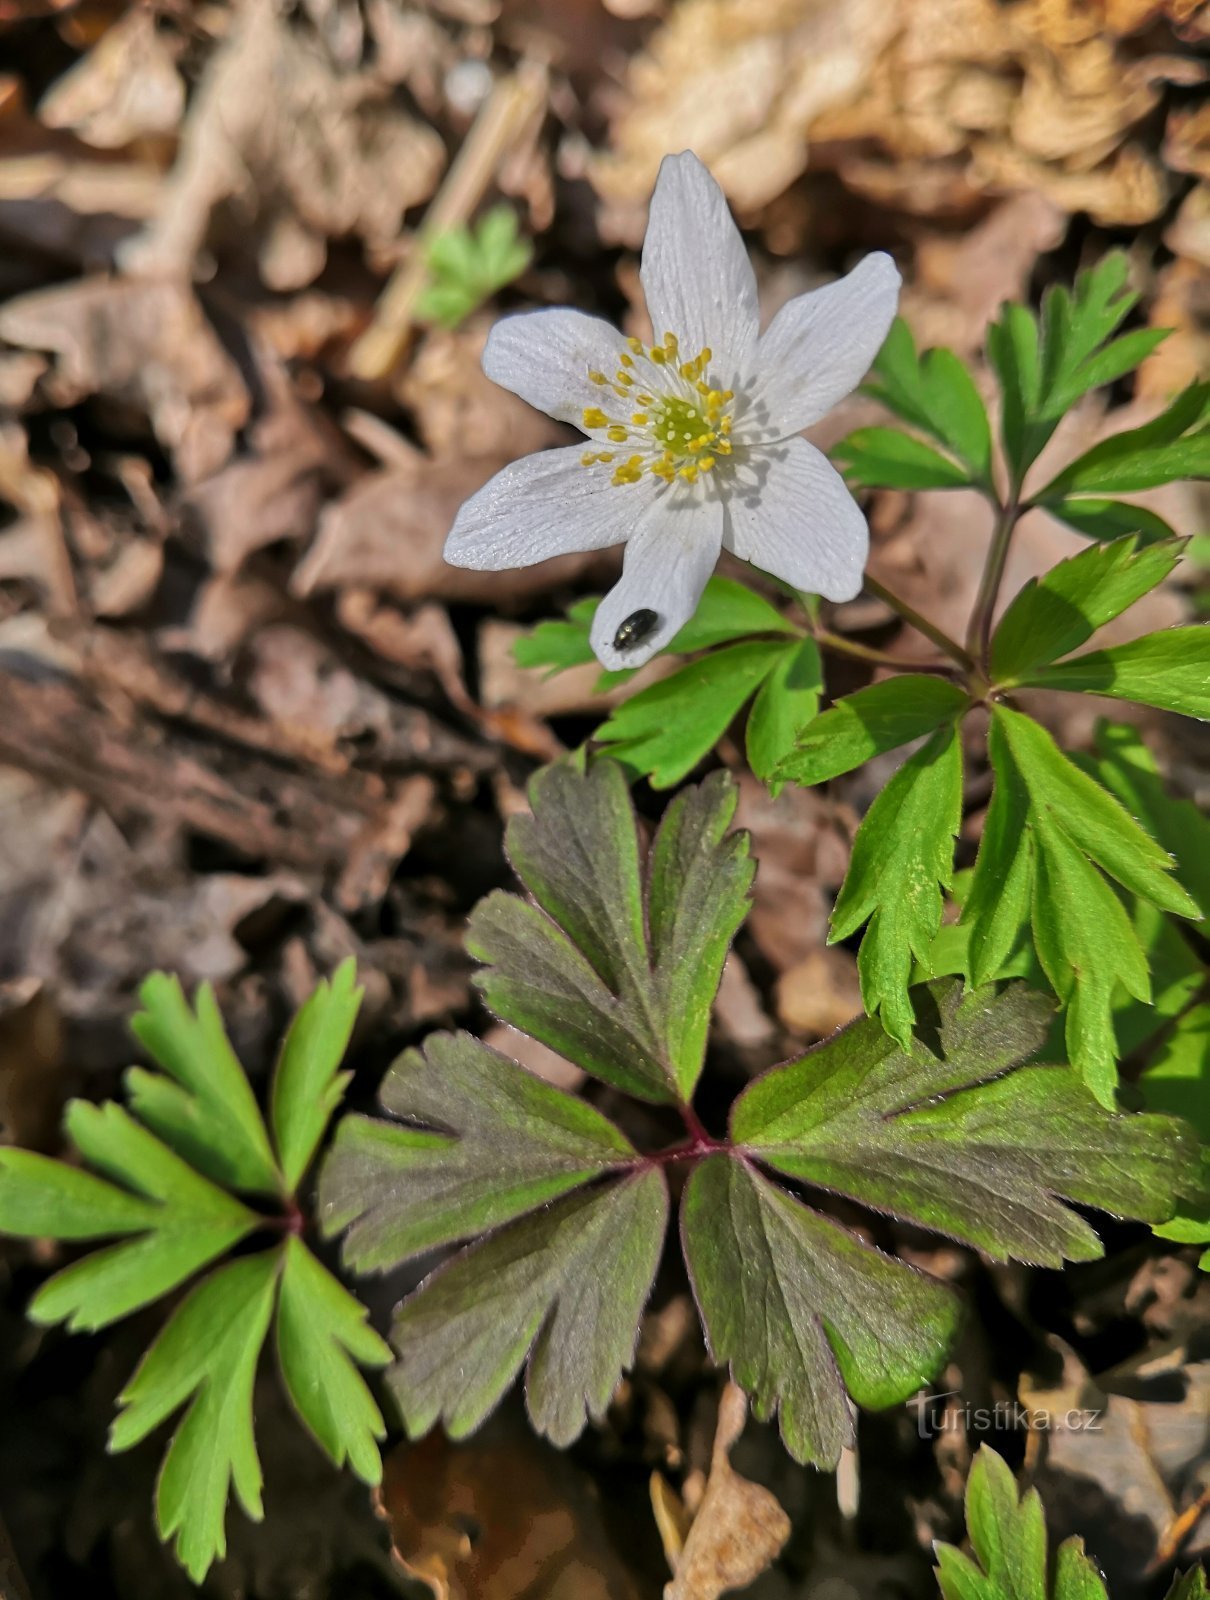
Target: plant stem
978, 636
939, 637
880, 658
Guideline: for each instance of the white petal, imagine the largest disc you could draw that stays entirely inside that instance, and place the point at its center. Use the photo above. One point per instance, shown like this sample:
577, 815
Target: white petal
790, 514
668, 559
696, 274
546, 356
544, 505
818, 348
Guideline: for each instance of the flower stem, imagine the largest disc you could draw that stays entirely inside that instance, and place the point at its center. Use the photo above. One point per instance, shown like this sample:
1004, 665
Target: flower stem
878, 658
939, 637
978, 635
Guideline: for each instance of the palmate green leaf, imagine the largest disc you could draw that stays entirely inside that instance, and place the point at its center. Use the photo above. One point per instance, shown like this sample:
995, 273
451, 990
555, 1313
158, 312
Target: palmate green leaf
903, 856
1008, 1536
804, 1311
468, 265
1109, 519
1049, 829
1123, 763
1169, 670
1177, 1081
934, 392
1172, 446
727, 611
664, 731
884, 458
560, 1291
949, 1136
1044, 370
307, 1086
204, 1108
206, 1355
1060, 611
785, 703
322, 1337
615, 972
1191, 1585
874, 720
181, 1223
487, 1142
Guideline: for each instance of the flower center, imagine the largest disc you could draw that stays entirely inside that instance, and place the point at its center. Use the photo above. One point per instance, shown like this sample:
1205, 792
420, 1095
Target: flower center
682, 424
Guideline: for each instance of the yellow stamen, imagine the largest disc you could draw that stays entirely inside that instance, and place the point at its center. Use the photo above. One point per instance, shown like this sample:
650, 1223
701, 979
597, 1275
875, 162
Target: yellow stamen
597, 377
639, 418
594, 417
707, 464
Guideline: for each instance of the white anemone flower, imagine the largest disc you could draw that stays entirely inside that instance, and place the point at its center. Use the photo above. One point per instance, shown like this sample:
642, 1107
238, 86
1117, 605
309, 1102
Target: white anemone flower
693, 442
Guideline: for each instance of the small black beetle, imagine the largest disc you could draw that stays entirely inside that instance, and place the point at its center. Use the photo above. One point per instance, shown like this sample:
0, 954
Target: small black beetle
635, 628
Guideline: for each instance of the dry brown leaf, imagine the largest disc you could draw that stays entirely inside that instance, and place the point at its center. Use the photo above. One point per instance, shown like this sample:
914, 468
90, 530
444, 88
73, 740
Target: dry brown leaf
820, 993
31, 1062
740, 1527
1182, 303
973, 97
800, 841
460, 411
739, 82
272, 491
498, 1521
739, 1012
277, 124
127, 87
387, 534
146, 346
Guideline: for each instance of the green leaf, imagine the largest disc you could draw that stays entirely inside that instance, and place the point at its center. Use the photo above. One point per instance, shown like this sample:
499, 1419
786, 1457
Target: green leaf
903, 851
468, 266
1127, 768
936, 394
785, 703
726, 611
950, 1136
184, 1223
806, 1314
560, 1291
1177, 1081
558, 645
1058, 612
664, 731
1008, 1535
307, 1087
1170, 670
1042, 373
322, 1334
1108, 519
884, 458
45, 1199
1191, 1585
205, 1108
488, 1142
1050, 828
1174, 445
207, 1355
870, 722
617, 978
1012, 350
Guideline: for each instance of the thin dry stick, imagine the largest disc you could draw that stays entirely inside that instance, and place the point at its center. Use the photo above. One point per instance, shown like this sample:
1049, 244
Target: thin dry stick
503, 116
